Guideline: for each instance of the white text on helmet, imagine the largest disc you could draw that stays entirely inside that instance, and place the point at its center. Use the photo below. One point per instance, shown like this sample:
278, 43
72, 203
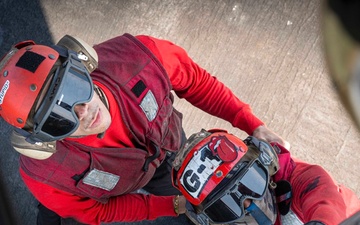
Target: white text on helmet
199, 170
4, 90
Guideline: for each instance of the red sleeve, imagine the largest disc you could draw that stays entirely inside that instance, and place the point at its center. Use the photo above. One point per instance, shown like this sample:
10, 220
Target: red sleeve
197, 86
316, 196
124, 208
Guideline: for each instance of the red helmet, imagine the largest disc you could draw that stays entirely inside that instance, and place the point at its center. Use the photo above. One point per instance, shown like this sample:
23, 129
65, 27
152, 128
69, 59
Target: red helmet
216, 172
23, 71
206, 159
40, 86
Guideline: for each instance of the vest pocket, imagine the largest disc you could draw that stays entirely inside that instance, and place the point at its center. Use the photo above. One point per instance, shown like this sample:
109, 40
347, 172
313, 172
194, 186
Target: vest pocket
114, 172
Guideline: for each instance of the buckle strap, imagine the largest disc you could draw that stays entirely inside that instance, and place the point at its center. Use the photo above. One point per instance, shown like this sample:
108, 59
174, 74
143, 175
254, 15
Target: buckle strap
151, 158
258, 214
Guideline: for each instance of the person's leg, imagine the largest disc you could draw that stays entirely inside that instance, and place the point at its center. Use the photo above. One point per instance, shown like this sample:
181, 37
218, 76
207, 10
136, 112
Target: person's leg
46, 216
160, 183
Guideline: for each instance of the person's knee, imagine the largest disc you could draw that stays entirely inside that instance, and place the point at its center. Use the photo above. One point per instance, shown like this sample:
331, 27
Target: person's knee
46, 216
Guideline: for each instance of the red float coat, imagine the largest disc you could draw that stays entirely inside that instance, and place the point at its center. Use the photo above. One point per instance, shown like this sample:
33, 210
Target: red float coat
148, 115
188, 81
316, 196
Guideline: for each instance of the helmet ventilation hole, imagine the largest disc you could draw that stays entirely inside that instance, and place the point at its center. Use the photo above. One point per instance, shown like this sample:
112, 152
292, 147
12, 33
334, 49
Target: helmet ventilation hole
33, 87
51, 56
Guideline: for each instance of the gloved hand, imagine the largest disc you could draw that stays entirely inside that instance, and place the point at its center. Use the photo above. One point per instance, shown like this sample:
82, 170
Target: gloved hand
264, 133
198, 219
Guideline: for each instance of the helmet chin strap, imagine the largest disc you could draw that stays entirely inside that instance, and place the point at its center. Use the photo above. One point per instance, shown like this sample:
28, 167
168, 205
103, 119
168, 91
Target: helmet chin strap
258, 214
103, 98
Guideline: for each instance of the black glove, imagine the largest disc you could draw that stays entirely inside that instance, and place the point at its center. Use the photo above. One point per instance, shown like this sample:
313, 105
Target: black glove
198, 219
314, 223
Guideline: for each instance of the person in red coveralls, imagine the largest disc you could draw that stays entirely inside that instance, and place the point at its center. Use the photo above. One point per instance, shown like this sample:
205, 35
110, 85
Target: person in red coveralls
96, 124
230, 181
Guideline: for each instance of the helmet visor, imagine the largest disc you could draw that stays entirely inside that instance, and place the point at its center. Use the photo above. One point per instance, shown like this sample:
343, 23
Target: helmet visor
251, 184
71, 85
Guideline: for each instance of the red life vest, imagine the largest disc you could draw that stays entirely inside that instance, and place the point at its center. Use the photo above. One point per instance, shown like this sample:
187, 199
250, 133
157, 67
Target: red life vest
141, 89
